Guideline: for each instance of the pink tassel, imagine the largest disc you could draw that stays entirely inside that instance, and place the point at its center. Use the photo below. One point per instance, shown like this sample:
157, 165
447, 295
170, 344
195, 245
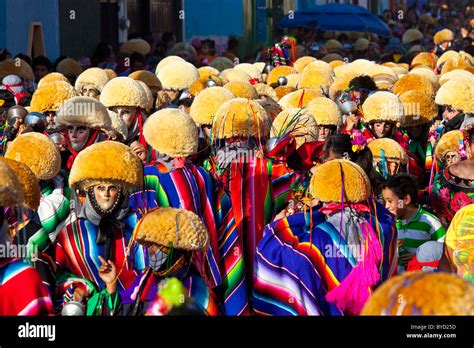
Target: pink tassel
351, 295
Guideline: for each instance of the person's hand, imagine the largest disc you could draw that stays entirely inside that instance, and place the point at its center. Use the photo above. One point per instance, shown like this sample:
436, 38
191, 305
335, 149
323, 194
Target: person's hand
434, 126
18, 122
432, 131
405, 258
283, 214
139, 150
108, 273
351, 121
314, 202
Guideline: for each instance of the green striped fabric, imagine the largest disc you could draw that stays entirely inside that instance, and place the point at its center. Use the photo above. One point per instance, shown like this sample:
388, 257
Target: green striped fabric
421, 228
54, 207
37, 243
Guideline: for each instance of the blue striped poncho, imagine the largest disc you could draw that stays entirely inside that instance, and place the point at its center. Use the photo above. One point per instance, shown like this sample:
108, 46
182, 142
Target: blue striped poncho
193, 188
297, 265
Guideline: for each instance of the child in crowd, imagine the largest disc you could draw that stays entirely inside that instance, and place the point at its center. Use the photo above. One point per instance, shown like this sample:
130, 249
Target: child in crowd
415, 225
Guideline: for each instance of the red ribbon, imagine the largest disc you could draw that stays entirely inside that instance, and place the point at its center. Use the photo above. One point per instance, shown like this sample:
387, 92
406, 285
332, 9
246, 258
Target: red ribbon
254, 81
141, 138
300, 102
284, 147
18, 95
310, 153
415, 265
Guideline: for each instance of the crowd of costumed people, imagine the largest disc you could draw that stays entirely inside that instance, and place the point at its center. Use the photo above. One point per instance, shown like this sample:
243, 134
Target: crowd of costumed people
328, 174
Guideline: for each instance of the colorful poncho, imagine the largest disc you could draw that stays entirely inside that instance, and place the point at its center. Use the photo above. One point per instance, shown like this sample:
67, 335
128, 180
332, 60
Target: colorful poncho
278, 55
77, 256
28, 231
147, 285
259, 189
21, 290
298, 265
194, 189
421, 151
3, 138
36, 228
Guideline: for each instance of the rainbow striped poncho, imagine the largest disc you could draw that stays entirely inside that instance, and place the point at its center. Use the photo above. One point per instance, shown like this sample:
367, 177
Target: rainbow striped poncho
195, 286
3, 138
421, 150
259, 189
77, 256
194, 189
297, 264
21, 290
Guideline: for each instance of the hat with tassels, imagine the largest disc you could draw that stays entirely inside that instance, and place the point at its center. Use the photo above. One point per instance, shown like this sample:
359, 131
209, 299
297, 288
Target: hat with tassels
388, 149
242, 89
419, 108
302, 62
255, 74
241, 117
325, 112
271, 107
171, 132
279, 71
137, 45
11, 191
281, 91
383, 106
345, 183
422, 293
336, 176
50, 96
443, 36
28, 181
51, 77
412, 82
206, 104
458, 93
265, 90
299, 98
93, 76
172, 227
38, 152
297, 123
107, 161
